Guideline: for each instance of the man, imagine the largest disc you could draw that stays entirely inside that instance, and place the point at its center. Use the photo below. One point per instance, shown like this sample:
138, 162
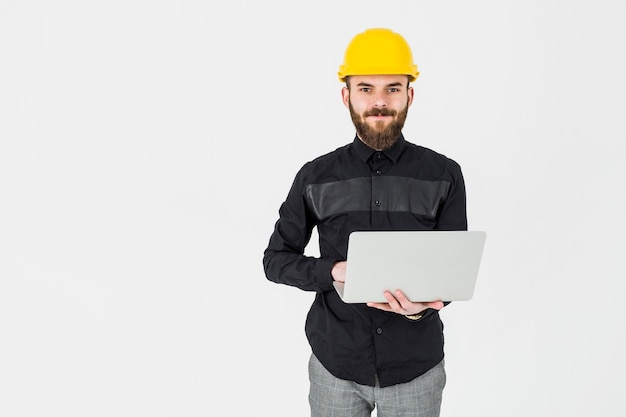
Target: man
387, 356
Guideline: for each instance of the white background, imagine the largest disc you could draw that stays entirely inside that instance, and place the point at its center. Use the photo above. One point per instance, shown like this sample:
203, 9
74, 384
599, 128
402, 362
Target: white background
145, 147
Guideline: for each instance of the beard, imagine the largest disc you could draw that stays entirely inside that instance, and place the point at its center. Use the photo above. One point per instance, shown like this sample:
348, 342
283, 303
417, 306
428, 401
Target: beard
379, 137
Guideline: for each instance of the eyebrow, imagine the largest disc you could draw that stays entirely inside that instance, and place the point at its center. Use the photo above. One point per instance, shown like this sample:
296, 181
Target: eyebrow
363, 84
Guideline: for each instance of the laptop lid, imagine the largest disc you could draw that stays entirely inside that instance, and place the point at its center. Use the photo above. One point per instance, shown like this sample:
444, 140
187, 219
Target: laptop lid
426, 265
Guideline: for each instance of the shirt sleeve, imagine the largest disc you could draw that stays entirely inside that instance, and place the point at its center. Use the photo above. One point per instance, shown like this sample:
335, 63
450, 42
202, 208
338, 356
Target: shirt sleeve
284, 261
452, 214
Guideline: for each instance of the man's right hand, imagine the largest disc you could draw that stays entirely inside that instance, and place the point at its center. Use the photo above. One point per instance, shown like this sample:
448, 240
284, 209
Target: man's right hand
339, 271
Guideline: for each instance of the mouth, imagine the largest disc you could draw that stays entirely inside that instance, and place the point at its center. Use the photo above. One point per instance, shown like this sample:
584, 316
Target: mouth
378, 122
379, 118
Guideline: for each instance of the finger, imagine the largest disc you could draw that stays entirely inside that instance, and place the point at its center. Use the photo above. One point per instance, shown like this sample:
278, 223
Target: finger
400, 303
406, 303
393, 301
380, 306
403, 301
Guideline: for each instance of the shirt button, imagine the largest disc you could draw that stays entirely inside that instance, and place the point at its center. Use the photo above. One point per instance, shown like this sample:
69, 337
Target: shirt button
379, 330
378, 172
379, 155
377, 202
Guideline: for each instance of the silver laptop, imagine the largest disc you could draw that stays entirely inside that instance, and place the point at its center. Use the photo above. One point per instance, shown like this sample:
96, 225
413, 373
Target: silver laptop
425, 265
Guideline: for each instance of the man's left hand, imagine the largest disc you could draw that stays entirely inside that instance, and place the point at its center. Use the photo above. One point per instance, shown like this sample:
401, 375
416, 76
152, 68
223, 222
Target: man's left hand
398, 303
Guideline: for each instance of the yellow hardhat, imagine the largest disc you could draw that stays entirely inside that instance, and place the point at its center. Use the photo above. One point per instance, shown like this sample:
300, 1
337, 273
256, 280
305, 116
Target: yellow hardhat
378, 51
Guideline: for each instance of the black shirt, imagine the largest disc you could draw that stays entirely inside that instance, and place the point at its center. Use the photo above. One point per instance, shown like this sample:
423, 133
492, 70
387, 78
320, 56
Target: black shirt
406, 187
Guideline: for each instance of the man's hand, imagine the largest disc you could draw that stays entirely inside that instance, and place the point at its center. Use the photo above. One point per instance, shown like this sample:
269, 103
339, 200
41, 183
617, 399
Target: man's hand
339, 271
398, 303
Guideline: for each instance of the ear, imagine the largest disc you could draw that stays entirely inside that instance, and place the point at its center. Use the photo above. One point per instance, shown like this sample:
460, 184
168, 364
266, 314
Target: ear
410, 94
345, 97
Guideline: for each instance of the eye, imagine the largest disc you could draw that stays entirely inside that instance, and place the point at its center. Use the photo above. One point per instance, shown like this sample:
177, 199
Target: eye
393, 90
365, 89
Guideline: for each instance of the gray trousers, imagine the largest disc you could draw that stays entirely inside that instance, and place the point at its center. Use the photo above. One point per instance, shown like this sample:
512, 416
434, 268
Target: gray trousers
331, 396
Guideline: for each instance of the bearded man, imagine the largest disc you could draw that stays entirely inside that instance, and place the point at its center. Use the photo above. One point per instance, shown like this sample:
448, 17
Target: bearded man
387, 356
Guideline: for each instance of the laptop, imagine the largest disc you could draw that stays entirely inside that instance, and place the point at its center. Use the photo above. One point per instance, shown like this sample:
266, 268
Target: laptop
426, 265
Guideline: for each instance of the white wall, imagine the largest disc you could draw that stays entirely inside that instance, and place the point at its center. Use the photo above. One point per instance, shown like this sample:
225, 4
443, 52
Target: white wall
145, 147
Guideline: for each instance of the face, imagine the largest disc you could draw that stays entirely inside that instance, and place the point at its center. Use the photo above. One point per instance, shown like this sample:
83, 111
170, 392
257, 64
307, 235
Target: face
378, 106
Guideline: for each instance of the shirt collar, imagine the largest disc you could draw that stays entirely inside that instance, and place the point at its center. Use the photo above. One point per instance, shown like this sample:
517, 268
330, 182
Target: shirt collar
365, 152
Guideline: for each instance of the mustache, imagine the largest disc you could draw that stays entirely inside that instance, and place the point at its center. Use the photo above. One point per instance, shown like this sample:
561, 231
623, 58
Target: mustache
380, 112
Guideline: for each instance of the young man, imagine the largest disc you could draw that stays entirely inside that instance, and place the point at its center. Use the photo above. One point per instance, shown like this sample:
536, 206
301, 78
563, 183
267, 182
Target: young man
383, 355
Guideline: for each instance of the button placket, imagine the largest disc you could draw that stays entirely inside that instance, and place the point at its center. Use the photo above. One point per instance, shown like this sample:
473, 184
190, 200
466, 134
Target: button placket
377, 164
378, 193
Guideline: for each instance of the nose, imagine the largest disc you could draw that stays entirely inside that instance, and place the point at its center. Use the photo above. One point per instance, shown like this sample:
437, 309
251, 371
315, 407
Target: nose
379, 100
